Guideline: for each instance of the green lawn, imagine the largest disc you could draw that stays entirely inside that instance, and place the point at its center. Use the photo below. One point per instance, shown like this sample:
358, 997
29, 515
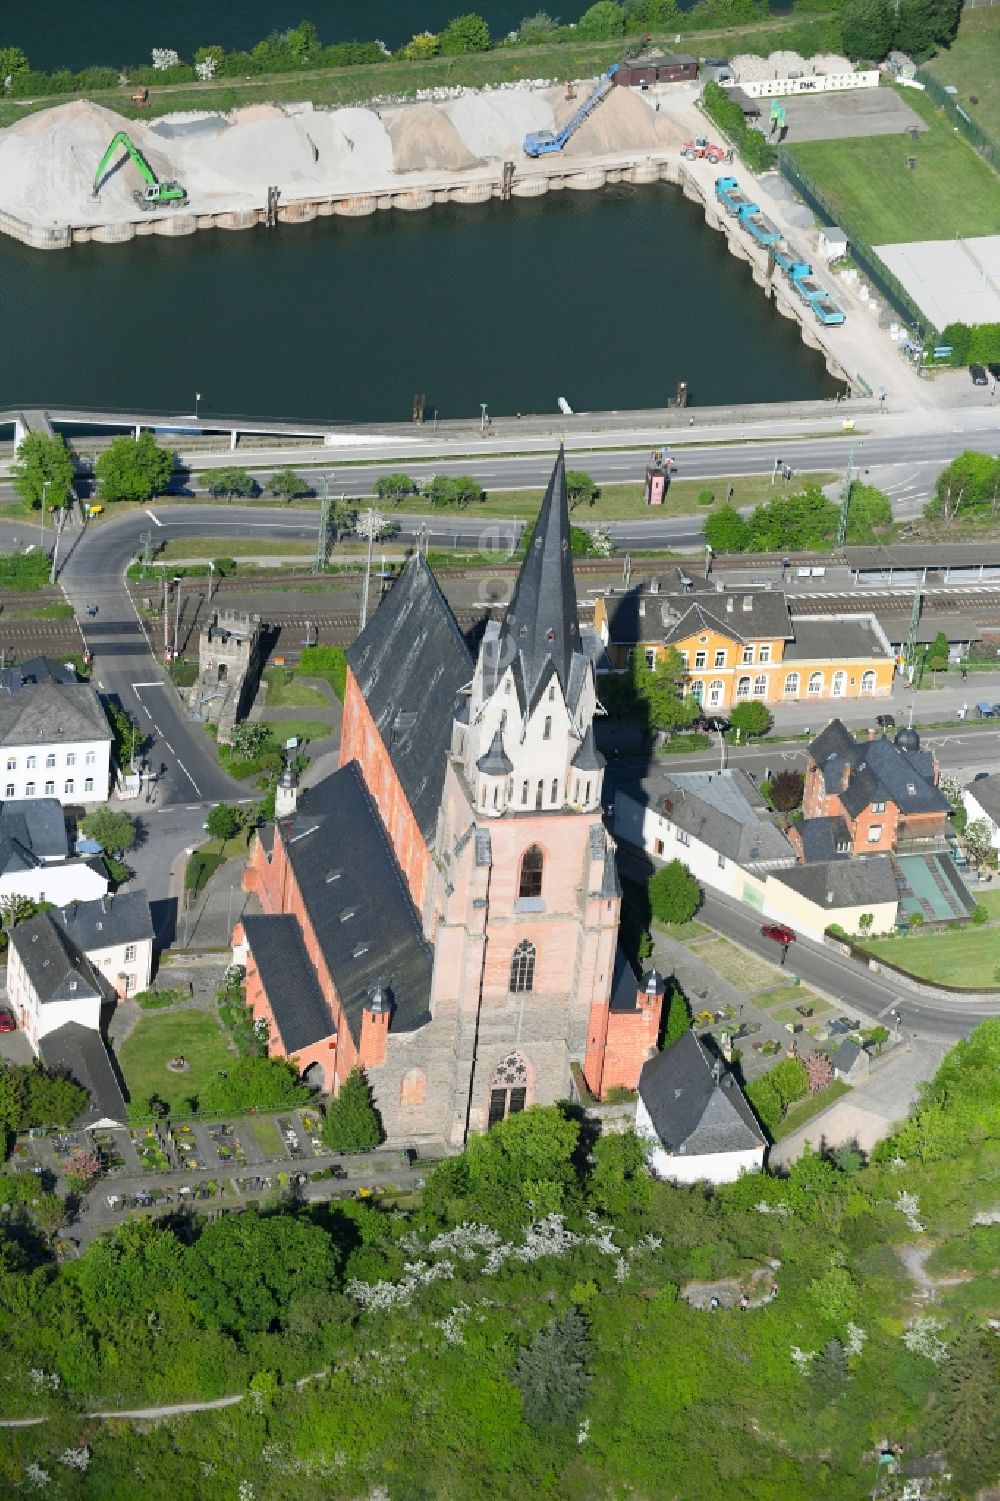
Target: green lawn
804, 1110
304, 729
738, 966
265, 1133
951, 192
234, 547
158, 1036
972, 64
990, 900
966, 958
285, 691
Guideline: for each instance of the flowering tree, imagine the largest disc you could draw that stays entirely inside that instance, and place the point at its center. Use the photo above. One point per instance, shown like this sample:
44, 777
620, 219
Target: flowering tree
164, 57
82, 1168
819, 1069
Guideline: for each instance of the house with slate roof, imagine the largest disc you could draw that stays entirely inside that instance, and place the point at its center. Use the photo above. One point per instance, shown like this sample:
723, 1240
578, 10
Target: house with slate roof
54, 736
443, 910
695, 1118
34, 855
883, 793
738, 644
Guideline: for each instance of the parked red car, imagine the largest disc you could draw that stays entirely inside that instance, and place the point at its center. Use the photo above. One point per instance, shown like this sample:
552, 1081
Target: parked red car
7, 1022
779, 933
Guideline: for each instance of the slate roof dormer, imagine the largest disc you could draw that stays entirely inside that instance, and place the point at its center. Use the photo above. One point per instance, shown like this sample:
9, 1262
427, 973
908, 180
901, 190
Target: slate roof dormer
588, 757
495, 763
541, 630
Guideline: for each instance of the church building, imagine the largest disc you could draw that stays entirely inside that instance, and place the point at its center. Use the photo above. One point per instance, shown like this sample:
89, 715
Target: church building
443, 910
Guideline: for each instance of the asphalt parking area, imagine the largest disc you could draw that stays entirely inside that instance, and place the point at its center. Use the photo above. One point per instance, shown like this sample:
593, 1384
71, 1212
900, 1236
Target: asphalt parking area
836, 116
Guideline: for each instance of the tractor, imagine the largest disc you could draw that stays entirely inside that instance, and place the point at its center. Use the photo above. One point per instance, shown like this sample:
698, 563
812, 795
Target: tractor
701, 148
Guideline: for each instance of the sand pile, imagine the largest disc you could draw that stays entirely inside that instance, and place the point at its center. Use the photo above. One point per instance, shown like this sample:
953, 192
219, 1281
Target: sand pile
354, 141
830, 62
495, 124
424, 140
265, 151
624, 122
48, 162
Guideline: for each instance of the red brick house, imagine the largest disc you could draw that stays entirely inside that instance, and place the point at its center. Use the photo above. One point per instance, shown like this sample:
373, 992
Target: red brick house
443, 910
869, 797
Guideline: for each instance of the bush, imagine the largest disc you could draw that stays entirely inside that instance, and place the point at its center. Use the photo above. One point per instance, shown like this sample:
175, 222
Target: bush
765, 1102
979, 914
200, 868
24, 570
328, 662
753, 147
254, 1084
786, 790
751, 718
152, 1000
705, 497
674, 894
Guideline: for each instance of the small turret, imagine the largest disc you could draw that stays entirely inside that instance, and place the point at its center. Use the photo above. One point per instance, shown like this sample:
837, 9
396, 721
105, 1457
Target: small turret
286, 795
493, 778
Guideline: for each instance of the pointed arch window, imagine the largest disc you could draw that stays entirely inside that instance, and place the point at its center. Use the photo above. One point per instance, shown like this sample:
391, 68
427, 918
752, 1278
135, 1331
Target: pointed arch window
508, 1088
522, 967
530, 883
547, 728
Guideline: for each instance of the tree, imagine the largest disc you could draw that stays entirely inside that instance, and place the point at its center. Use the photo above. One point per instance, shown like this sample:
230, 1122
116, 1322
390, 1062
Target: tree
43, 469
969, 484
468, 33
869, 508
249, 739
253, 1083
661, 689
601, 22
523, 1167
453, 490
786, 790
395, 487
962, 1417
580, 487
790, 1081
801, 522
243, 1273
726, 530
12, 62
116, 833
536, 28
751, 718
15, 908
820, 1071
618, 1183
866, 28
287, 485
351, 1124
830, 1372
230, 481
224, 566
11, 1101
678, 1017
936, 655
82, 1168
223, 821
423, 45
50, 1099
765, 1102
133, 468
551, 1373
674, 894
979, 842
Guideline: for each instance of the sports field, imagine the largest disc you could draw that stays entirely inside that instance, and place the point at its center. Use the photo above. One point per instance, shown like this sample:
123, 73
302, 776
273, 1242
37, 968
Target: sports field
867, 182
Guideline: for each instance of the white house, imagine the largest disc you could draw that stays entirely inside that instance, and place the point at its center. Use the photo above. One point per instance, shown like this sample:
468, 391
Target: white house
50, 983
982, 801
116, 934
694, 1117
55, 740
717, 824
34, 855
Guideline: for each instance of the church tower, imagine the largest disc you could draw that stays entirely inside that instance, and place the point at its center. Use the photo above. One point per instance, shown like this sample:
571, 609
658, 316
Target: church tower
525, 915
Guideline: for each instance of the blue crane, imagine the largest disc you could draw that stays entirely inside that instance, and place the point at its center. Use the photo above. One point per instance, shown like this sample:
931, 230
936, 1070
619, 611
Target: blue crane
544, 142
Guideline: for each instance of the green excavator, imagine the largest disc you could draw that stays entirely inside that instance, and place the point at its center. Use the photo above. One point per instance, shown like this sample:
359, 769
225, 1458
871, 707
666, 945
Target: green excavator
155, 193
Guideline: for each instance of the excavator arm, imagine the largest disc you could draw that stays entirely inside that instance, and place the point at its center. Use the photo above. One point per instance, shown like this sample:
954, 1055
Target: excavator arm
121, 139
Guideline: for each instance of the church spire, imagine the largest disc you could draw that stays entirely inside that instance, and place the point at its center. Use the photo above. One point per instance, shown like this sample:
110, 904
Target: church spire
541, 624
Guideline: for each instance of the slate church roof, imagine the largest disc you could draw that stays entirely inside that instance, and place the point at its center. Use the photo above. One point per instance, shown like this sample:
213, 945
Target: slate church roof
696, 1106
410, 662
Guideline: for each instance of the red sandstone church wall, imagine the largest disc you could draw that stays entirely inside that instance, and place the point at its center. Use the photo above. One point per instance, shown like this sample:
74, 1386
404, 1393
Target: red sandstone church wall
360, 741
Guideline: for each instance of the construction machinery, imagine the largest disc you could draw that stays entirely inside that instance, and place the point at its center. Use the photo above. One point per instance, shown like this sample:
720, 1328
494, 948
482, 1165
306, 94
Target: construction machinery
155, 194
546, 142
732, 197
759, 225
701, 148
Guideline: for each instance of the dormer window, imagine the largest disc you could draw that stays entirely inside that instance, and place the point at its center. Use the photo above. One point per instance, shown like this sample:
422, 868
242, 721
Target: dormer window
552, 692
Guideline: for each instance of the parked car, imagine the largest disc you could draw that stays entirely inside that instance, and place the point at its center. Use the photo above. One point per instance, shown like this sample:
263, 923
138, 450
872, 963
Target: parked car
980, 776
979, 376
778, 933
714, 722
885, 721
7, 1022
985, 711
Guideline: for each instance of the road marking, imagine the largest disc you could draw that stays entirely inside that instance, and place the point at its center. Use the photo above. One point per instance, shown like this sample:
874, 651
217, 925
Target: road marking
147, 685
170, 749
154, 519
190, 778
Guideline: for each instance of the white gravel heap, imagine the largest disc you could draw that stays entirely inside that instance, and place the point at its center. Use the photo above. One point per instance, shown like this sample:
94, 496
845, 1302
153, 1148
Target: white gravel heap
749, 68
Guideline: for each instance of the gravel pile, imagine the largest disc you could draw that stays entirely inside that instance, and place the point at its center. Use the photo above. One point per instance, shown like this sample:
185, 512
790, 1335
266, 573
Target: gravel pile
624, 122
494, 125
425, 140
749, 68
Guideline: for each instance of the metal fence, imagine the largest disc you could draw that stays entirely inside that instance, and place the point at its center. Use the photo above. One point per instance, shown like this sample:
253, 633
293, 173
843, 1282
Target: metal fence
875, 270
977, 138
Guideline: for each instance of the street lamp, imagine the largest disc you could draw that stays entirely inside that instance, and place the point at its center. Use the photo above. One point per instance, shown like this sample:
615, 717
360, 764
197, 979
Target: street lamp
45, 485
177, 612
211, 579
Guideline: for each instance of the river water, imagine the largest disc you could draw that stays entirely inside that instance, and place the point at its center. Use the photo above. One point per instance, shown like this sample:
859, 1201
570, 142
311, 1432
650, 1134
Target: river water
606, 298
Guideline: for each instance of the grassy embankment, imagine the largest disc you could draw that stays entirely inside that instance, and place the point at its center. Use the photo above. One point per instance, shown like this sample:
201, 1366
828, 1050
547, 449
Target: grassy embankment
972, 65
333, 87
951, 192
